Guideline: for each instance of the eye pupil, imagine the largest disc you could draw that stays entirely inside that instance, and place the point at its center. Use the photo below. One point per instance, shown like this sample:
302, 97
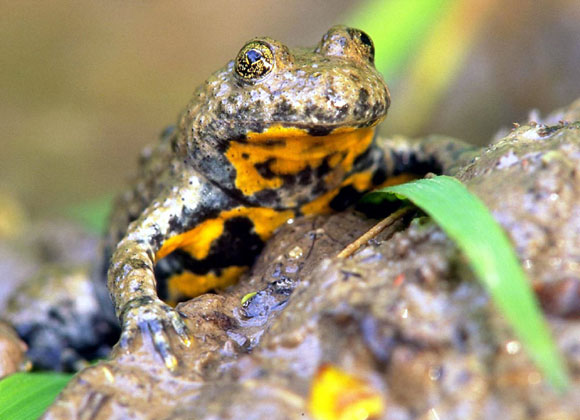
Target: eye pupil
254, 56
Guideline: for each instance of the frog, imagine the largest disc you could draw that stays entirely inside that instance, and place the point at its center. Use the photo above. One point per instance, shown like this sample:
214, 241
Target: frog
275, 134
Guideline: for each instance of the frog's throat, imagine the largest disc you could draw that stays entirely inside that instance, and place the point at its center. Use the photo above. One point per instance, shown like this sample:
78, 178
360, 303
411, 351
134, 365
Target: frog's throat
264, 160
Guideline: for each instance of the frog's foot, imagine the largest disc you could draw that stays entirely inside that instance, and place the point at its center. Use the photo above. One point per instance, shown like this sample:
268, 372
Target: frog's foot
157, 320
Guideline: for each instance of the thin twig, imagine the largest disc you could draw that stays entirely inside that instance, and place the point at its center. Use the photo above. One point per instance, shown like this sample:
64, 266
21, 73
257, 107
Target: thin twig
373, 232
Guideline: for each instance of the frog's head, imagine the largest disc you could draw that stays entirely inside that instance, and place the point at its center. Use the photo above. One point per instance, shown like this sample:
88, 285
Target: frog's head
303, 101
332, 85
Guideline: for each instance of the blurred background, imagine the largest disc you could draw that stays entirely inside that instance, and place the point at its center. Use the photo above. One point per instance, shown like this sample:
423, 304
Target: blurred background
85, 85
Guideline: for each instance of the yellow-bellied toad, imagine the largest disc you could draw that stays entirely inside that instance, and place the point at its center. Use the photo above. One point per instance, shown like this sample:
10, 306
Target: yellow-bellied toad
275, 134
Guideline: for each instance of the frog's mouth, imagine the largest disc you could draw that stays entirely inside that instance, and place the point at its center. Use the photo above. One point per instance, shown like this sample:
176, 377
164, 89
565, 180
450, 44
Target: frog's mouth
268, 159
299, 128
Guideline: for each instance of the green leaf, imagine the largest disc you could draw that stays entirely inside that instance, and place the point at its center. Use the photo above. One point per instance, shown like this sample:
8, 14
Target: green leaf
25, 396
94, 214
468, 222
397, 27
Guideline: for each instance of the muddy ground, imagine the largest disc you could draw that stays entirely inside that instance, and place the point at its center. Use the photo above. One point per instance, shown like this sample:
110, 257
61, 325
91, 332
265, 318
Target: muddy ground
402, 326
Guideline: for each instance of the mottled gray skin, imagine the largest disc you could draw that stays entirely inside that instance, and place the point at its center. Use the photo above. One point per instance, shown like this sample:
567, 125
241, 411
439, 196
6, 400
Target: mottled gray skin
187, 177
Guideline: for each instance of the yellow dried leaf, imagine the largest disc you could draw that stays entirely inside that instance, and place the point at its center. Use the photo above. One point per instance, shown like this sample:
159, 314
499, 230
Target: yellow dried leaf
337, 395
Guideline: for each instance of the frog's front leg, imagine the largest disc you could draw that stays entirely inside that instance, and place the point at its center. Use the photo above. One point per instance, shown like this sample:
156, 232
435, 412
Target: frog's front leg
133, 288
131, 279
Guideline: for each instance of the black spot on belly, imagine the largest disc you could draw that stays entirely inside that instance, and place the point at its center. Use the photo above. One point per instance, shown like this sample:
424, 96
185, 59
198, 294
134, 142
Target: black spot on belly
269, 197
323, 168
363, 159
346, 197
379, 176
238, 245
319, 130
264, 169
304, 177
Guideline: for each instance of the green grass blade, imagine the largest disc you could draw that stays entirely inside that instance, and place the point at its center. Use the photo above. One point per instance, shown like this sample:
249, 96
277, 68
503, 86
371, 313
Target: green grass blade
25, 396
468, 222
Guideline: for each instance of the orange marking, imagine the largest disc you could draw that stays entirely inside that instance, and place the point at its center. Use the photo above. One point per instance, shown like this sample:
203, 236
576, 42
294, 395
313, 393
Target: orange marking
189, 285
321, 205
197, 241
290, 150
361, 181
399, 179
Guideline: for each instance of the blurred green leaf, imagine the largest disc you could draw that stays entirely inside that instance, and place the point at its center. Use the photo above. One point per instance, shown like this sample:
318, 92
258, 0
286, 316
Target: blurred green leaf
468, 222
421, 47
397, 27
94, 214
25, 396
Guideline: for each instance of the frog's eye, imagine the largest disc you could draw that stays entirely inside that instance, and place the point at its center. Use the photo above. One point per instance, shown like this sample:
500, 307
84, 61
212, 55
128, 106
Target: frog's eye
365, 42
254, 61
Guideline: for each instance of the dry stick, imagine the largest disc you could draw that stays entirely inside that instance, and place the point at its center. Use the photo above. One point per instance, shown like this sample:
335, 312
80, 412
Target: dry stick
373, 232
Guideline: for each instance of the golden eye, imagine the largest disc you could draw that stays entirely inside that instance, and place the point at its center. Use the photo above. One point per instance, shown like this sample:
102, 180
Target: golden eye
254, 61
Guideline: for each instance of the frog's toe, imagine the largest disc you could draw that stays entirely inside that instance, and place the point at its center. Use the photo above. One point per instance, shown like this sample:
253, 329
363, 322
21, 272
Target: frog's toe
180, 328
162, 345
128, 335
154, 319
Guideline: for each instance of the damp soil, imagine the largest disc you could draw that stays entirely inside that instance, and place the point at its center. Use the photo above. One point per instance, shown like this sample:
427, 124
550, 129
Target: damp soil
404, 314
